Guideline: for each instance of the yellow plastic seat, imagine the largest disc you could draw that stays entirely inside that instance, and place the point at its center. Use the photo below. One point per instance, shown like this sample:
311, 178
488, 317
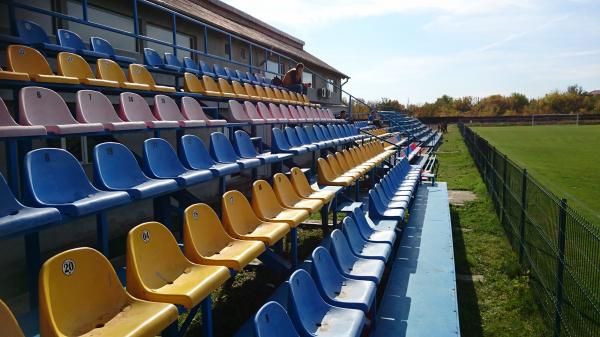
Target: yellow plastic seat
241, 222
271, 95
338, 171
22, 59
109, 70
346, 167
326, 176
206, 242
8, 323
290, 198
305, 99
211, 86
279, 95
251, 92
295, 97
286, 96
351, 160
260, 91
267, 207
158, 271
139, 74
239, 90
191, 83
226, 89
13, 76
80, 295
73, 65
304, 189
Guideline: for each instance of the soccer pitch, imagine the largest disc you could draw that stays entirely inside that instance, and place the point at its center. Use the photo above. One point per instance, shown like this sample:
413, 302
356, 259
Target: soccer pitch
564, 158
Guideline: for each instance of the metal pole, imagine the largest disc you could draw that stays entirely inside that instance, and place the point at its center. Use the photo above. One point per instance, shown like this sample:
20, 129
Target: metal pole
205, 40
522, 219
174, 26
562, 220
504, 189
84, 9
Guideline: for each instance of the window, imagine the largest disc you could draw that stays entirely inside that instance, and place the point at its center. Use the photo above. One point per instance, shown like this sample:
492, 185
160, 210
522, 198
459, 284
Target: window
272, 69
307, 77
43, 20
166, 35
103, 17
330, 85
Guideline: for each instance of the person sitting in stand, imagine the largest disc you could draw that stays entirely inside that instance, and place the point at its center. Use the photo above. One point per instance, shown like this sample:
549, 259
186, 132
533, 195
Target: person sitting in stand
292, 80
343, 115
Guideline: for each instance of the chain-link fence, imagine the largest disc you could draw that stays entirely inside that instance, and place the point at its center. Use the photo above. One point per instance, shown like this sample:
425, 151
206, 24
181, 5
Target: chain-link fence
560, 248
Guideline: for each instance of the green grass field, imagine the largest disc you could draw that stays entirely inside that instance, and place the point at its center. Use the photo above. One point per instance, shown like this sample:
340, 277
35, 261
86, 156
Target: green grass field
564, 158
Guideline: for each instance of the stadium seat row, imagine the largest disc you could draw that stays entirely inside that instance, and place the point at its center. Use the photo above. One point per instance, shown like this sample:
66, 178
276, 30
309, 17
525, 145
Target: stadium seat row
275, 114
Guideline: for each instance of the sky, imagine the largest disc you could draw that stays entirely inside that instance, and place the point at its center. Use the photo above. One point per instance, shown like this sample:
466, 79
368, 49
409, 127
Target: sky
417, 51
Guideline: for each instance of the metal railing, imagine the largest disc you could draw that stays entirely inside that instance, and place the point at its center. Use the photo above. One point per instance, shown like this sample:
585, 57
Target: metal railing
559, 247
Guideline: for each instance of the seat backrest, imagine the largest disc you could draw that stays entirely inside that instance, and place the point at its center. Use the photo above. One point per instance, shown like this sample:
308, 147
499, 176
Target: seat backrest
310, 132
210, 84
102, 46
269, 92
275, 112
188, 62
192, 83
192, 110
278, 94
279, 142
307, 306
237, 110
263, 111
134, 108
225, 86
285, 111
286, 95
324, 171
260, 91
81, 281
238, 88
94, 107
205, 68
172, 60
231, 74
302, 135
42, 106
109, 70
139, 74
327, 274
243, 144
54, 176
6, 118
272, 320
221, 149
251, 76
8, 203
8, 323
238, 216
219, 71
251, 111
70, 39
27, 60
152, 57
292, 137
361, 219
73, 65
241, 75
284, 190
166, 109
352, 234
250, 90
340, 250
265, 81
153, 258
264, 200
115, 167
293, 112
319, 133
160, 159
193, 153
31, 32
300, 183
203, 233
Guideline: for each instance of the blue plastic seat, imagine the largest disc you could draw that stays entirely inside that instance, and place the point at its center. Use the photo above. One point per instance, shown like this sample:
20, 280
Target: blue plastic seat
172, 61
101, 45
153, 59
206, 69
352, 266
160, 161
337, 289
294, 141
191, 66
314, 317
222, 151
116, 169
243, 77
279, 144
361, 247
54, 178
69, 39
310, 132
245, 149
252, 78
266, 82
367, 228
220, 72
323, 135
272, 320
194, 156
231, 74
304, 140
16, 218
378, 211
31, 33
401, 201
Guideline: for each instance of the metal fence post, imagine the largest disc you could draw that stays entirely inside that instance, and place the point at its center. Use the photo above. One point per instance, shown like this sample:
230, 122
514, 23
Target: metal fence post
522, 219
504, 189
562, 219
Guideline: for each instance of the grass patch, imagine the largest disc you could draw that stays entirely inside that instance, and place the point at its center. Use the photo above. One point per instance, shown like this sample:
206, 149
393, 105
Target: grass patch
564, 158
503, 304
